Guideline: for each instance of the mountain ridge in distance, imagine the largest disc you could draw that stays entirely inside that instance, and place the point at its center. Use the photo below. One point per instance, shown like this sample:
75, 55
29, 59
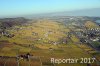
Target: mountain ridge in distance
93, 12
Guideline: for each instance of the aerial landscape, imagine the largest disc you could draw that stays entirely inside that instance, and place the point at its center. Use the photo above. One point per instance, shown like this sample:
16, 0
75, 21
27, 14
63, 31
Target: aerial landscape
41, 33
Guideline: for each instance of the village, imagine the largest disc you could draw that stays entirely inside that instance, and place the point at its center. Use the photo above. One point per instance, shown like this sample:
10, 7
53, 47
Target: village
36, 40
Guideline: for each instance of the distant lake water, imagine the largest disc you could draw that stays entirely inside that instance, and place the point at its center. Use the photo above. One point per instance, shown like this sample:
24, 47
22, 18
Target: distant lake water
97, 21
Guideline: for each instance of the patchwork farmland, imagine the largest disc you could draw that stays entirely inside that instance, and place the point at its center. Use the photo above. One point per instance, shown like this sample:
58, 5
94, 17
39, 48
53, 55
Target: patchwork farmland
35, 42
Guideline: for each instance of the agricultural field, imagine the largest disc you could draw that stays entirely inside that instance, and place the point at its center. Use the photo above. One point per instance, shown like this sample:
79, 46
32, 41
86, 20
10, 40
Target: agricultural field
43, 39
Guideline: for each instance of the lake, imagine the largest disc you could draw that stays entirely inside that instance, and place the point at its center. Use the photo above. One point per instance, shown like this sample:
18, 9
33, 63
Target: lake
97, 21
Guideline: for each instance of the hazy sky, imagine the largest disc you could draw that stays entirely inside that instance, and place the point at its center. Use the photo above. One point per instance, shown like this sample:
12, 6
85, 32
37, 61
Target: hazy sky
25, 7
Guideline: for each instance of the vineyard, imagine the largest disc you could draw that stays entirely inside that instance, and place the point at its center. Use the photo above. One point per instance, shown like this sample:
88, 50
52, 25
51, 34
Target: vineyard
42, 57
43, 40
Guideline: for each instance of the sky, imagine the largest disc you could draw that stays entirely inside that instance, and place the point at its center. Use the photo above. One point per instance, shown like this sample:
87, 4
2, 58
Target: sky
28, 7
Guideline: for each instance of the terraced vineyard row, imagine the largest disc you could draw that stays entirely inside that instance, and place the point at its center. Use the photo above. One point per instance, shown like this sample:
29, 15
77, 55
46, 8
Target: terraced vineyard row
91, 51
15, 62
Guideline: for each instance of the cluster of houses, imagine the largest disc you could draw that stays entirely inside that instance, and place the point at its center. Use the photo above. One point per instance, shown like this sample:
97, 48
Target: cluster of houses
24, 56
6, 34
89, 36
92, 34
